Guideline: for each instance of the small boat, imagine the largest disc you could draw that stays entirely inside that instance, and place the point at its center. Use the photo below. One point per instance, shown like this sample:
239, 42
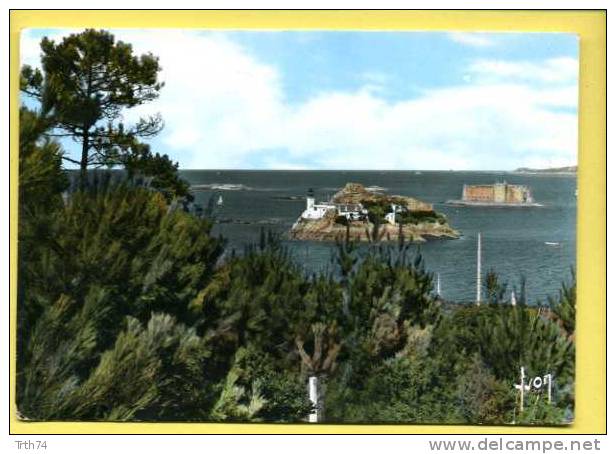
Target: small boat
552, 243
219, 202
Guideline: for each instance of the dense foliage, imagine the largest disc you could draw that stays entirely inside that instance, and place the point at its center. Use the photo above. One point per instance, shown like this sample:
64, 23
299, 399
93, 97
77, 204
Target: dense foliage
129, 309
417, 217
377, 209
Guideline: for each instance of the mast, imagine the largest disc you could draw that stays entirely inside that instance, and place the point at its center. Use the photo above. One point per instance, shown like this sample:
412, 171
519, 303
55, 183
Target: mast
478, 301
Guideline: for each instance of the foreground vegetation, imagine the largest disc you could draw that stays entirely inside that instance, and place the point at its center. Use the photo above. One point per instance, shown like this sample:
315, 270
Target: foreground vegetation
129, 310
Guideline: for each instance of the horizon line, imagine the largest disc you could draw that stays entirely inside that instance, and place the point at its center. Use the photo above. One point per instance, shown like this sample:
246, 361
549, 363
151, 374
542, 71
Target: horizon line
370, 170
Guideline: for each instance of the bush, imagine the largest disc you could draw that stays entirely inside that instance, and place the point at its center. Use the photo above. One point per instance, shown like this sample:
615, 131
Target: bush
111, 252
342, 220
377, 209
417, 217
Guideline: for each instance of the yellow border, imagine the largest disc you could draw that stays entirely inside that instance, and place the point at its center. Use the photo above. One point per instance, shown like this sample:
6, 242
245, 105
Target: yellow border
590, 411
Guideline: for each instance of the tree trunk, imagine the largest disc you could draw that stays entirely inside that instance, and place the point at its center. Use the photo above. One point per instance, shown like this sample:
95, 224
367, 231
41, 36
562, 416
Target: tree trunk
83, 170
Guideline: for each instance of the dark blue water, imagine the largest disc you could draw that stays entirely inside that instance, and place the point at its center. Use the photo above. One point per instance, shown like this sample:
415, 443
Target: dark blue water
513, 239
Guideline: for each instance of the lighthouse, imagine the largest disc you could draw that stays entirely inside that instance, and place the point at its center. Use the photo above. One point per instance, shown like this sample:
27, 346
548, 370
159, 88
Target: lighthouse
315, 210
310, 200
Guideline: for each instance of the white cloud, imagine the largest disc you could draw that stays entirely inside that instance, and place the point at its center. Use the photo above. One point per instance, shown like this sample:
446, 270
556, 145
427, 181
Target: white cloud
473, 39
223, 108
552, 71
474, 127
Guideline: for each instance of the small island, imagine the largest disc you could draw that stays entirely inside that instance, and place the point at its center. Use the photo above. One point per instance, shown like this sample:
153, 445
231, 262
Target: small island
360, 210
500, 195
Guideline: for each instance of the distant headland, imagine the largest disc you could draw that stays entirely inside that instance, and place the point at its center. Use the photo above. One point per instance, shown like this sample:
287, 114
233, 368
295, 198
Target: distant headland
568, 170
359, 209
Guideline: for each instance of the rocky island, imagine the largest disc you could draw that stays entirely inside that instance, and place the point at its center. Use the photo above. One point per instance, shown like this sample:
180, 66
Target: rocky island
361, 210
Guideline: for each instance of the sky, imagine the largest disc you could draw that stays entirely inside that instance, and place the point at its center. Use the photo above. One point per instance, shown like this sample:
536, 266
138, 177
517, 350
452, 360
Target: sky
357, 100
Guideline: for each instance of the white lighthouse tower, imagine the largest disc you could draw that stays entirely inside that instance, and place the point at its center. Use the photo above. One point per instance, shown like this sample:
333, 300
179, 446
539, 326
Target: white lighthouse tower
315, 210
310, 200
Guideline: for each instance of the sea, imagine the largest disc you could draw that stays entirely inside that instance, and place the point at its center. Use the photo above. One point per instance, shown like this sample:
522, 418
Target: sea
535, 244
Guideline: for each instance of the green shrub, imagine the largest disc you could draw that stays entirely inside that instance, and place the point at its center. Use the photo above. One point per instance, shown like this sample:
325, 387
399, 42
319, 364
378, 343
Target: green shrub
341, 220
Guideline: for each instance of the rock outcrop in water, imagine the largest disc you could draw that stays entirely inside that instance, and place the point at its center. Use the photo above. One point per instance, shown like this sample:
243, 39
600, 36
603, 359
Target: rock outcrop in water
358, 209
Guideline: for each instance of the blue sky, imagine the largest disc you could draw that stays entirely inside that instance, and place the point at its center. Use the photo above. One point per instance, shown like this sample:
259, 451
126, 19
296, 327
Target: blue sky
410, 62
359, 100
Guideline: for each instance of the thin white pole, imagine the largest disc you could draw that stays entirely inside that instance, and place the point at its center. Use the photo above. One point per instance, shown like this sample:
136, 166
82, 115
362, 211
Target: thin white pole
549, 377
313, 395
521, 389
438, 284
479, 268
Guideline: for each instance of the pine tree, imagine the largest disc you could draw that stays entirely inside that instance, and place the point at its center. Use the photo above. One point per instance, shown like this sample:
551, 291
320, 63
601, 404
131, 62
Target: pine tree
151, 373
86, 81
564, 306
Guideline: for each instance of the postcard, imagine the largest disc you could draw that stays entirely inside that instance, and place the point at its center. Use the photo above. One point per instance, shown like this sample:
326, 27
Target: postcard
297, 226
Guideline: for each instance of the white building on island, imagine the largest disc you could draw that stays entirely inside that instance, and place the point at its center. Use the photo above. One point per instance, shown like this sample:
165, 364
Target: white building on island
391, 218
395, 209
315, 210
351, 211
